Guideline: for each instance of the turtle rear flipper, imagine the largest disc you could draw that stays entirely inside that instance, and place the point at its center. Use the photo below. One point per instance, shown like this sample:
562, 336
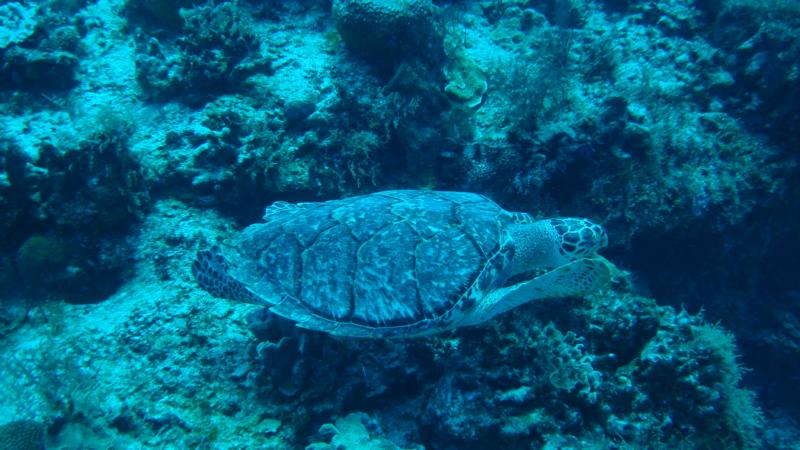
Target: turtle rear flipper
211, 270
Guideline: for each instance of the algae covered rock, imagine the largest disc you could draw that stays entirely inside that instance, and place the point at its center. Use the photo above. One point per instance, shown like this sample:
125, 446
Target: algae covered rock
466, 81
32, 59
165, 13
36, 70
352, 432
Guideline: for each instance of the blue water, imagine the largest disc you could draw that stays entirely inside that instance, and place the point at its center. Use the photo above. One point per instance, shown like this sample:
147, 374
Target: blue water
137, 133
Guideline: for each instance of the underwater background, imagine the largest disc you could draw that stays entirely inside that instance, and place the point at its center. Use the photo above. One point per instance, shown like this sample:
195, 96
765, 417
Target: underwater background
136, 132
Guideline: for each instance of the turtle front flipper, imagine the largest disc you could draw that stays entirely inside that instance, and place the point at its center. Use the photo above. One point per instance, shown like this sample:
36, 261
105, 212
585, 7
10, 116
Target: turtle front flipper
574, 279
210, 269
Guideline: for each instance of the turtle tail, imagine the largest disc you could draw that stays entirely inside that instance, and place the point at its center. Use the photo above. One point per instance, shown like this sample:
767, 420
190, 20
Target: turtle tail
210, 269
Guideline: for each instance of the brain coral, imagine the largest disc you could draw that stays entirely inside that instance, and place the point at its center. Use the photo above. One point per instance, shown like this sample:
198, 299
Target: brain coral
385, 30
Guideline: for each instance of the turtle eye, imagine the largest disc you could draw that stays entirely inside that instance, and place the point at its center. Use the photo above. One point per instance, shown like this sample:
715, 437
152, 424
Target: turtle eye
593, 237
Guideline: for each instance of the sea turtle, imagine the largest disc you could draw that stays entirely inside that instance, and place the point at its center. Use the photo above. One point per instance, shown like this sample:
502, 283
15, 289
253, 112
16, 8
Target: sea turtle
403, 263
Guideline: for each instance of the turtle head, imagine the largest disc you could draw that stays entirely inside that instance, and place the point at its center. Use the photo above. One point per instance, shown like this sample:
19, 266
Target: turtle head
555, 242
577, 238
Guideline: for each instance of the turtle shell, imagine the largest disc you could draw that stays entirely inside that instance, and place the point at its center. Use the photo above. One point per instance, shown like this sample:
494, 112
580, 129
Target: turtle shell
396, 262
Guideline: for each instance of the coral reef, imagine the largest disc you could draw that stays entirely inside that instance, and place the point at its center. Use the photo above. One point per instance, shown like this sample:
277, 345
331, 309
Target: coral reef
70, 211
164, 13
22, 435
217, 51
17, 23
32, 59
620, 364
762, 86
